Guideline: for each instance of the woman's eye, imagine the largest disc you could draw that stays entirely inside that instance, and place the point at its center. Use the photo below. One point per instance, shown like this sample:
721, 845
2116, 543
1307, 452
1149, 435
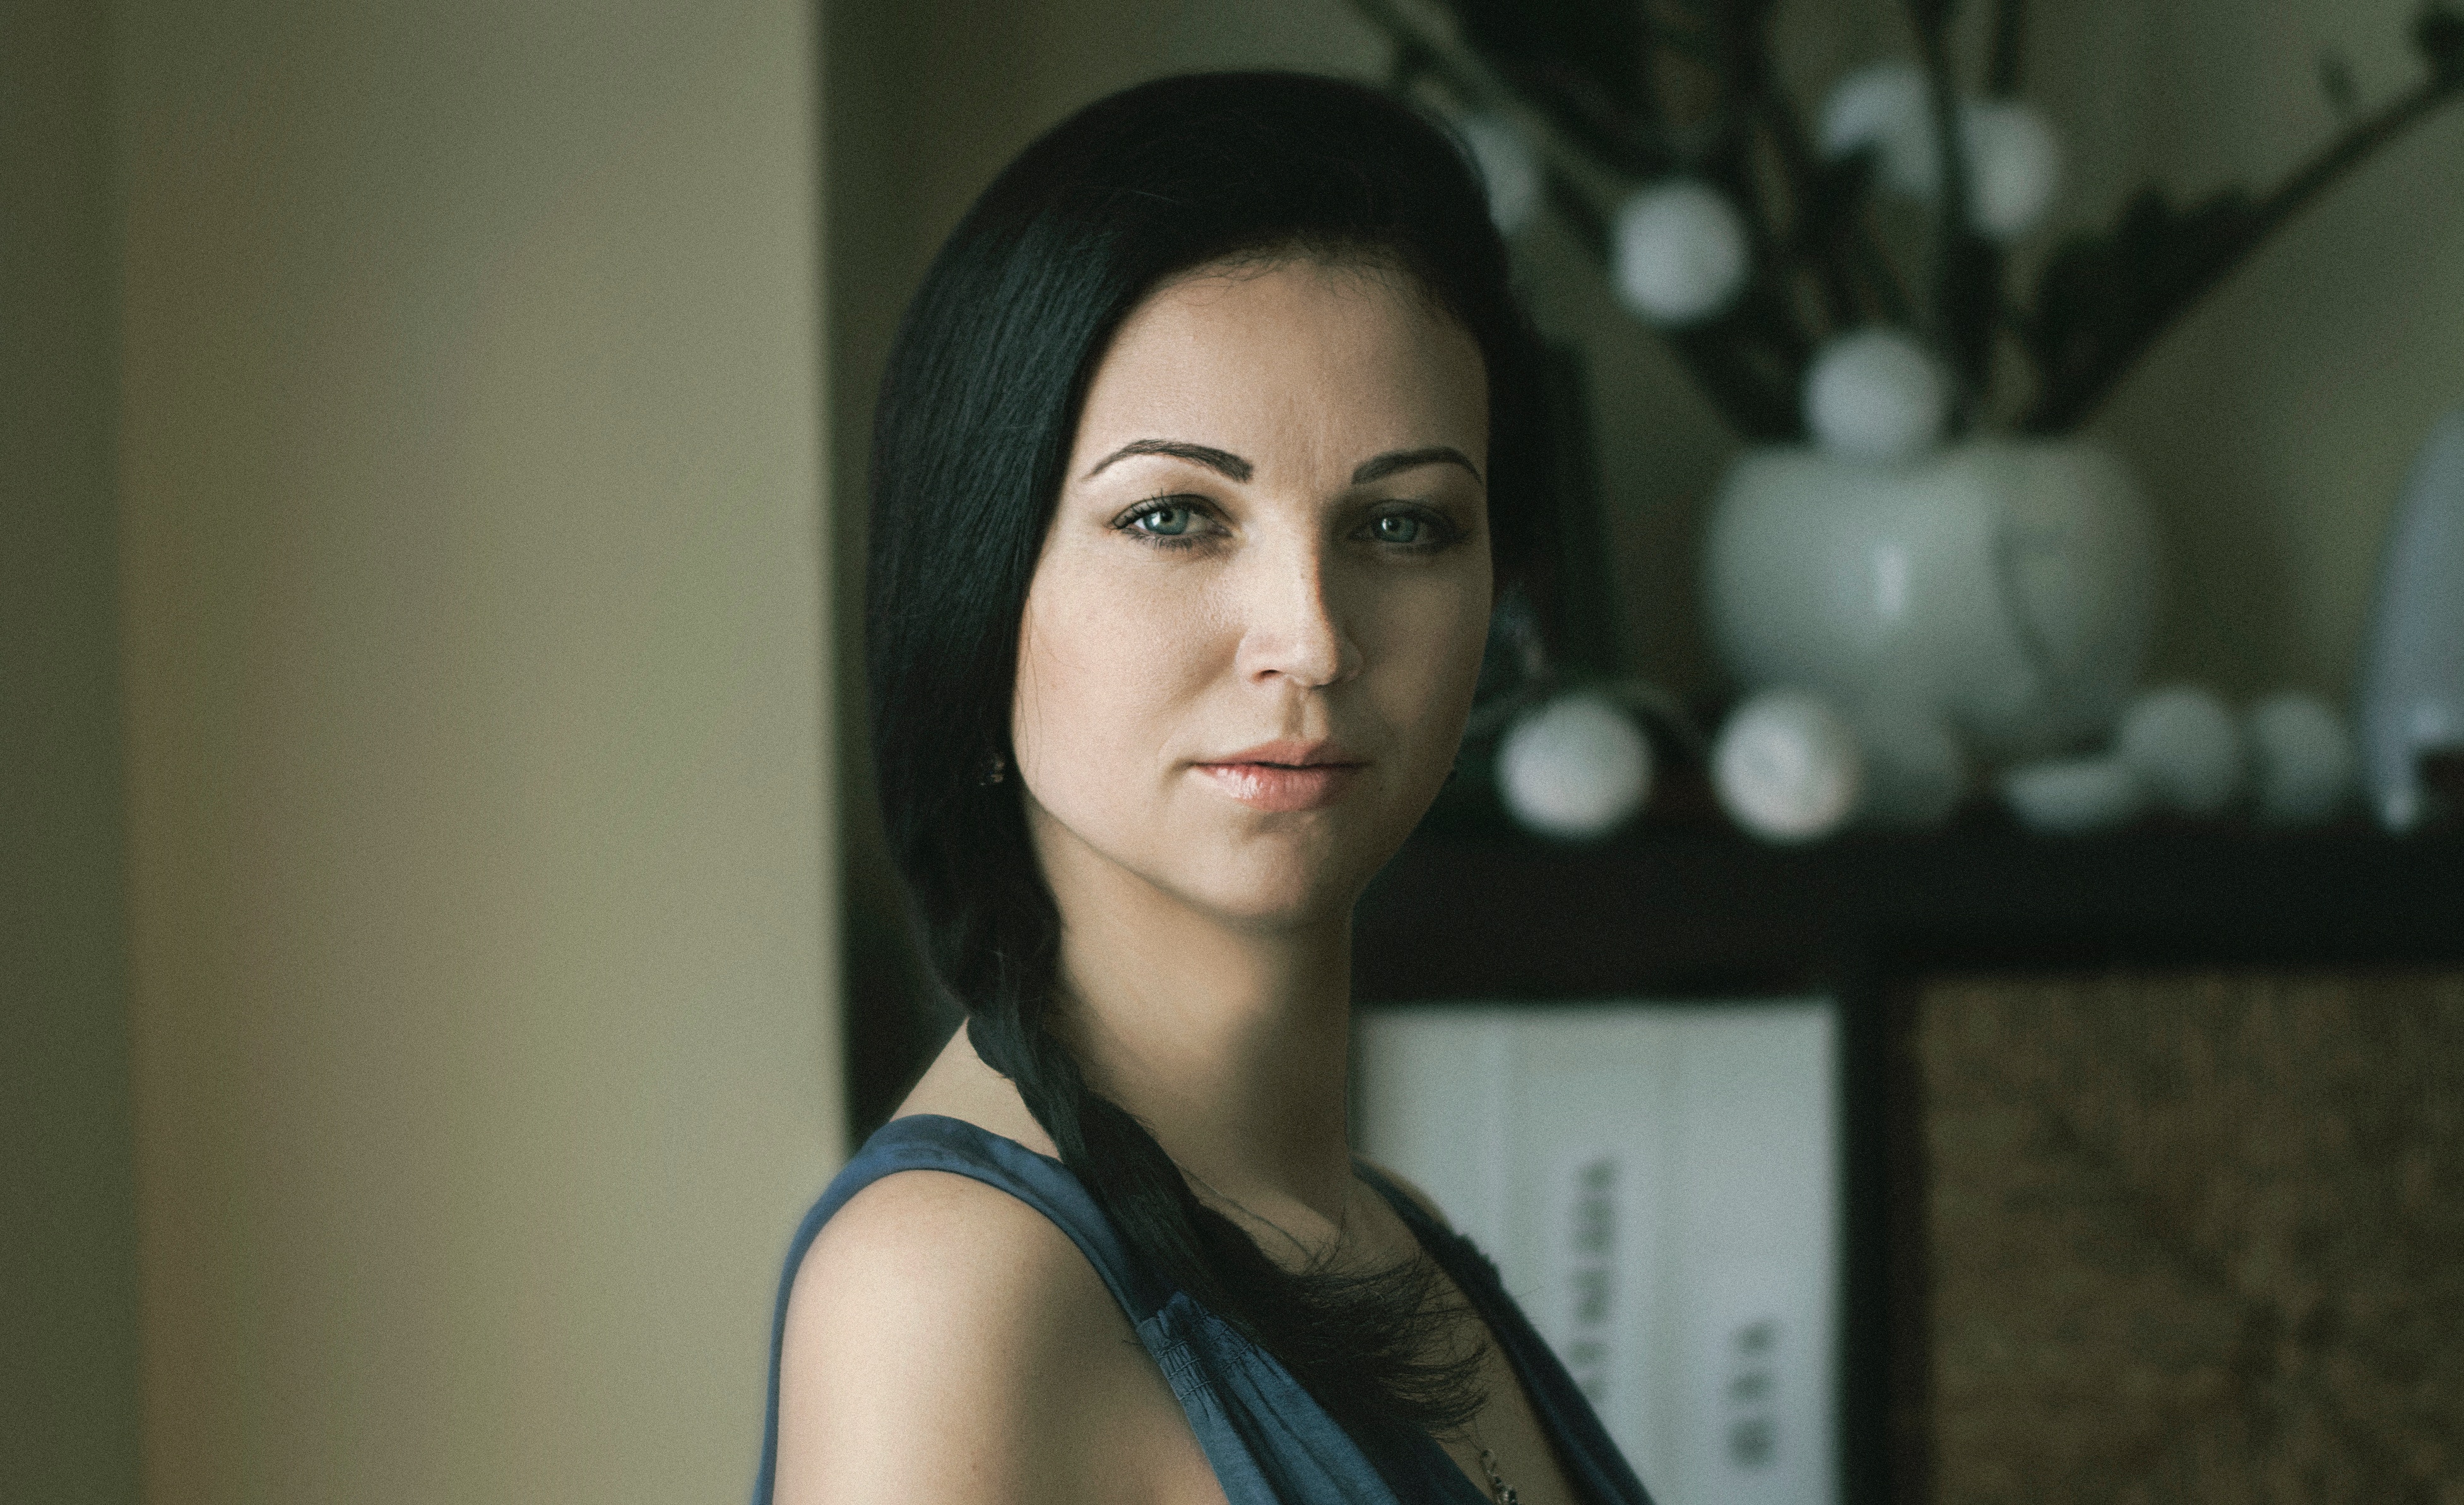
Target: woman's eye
1167, 520
1399, 528
1416, 530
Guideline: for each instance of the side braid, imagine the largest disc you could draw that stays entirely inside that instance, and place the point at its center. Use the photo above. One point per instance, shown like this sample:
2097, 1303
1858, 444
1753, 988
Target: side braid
1377, 1349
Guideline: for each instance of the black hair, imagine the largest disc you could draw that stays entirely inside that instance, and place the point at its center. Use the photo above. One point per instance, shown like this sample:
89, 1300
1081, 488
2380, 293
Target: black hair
979, 410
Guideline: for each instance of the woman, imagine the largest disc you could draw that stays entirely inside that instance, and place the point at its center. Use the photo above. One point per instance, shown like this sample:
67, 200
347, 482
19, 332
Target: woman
1197, 457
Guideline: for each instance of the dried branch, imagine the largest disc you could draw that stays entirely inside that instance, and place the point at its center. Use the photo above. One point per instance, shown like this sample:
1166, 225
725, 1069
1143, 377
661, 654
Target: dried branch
1588, 123
1893, 303
2009, 47
1812, 238
1967, 268
1462, 75
2335, 83
1597, 123
1613, 116
1764, 302
1720, 353
2101, 302
2104, 302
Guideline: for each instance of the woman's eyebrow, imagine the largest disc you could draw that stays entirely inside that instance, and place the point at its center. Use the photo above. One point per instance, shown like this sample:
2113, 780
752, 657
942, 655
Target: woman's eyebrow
1223, 461
1395, 460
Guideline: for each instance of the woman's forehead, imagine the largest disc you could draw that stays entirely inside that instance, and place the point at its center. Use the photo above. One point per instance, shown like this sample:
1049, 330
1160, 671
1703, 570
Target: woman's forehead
1294, 350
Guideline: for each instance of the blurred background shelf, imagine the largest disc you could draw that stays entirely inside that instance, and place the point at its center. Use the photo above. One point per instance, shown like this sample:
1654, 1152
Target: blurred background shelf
1492, 915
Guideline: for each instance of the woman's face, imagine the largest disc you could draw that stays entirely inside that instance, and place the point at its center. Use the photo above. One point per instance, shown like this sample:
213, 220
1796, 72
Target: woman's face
1249, 644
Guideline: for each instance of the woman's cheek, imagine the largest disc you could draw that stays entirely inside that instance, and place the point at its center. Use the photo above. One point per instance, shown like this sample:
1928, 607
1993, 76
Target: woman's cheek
1440, 651
1100, 670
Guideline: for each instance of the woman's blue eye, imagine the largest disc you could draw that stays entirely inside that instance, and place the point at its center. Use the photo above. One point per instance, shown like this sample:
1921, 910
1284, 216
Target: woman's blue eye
1399, 528
1169, 521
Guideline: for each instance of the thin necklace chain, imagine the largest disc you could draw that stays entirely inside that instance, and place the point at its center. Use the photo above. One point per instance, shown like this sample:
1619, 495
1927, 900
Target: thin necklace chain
1499, 1489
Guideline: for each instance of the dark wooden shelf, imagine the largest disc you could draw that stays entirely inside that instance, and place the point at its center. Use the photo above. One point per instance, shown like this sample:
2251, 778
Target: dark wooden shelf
1492, 915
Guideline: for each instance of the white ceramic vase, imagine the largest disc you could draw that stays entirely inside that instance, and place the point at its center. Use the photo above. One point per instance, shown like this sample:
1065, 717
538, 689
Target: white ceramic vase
2412, 669
2006, 584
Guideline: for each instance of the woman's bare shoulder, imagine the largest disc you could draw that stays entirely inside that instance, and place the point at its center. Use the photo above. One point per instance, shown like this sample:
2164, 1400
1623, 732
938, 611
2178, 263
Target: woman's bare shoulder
944, 1234
924, 1329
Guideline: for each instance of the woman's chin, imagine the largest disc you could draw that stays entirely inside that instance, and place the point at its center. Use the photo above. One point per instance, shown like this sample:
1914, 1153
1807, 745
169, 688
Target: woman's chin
1278, 886
1281, 912
1282, 871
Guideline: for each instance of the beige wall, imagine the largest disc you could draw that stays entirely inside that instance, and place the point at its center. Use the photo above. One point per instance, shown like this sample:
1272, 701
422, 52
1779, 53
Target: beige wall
2272, 430
68, 1257
481, 954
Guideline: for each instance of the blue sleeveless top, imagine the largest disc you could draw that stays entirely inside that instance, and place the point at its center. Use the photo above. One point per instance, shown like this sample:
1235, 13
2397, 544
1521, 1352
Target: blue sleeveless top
1269, 1441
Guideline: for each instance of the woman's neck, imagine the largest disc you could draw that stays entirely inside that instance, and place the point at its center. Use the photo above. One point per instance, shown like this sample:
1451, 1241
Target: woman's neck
1230, 1043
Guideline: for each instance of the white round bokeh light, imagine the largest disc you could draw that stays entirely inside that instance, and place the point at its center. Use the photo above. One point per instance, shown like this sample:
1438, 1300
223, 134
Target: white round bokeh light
2015, 166
1787, 766
1884, 107
1576, 769
1875, 394
2185, 747
2014, 159
1680, 252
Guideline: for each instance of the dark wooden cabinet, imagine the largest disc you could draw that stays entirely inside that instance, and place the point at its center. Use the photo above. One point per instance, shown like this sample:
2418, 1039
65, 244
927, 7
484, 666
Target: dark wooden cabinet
2154, 1161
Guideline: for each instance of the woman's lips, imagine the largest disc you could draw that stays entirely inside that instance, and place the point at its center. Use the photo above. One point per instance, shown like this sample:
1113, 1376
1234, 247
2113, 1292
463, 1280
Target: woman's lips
1280, 787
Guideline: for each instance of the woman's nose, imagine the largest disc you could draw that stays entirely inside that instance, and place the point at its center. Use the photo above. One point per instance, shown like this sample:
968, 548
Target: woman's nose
1294, 625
